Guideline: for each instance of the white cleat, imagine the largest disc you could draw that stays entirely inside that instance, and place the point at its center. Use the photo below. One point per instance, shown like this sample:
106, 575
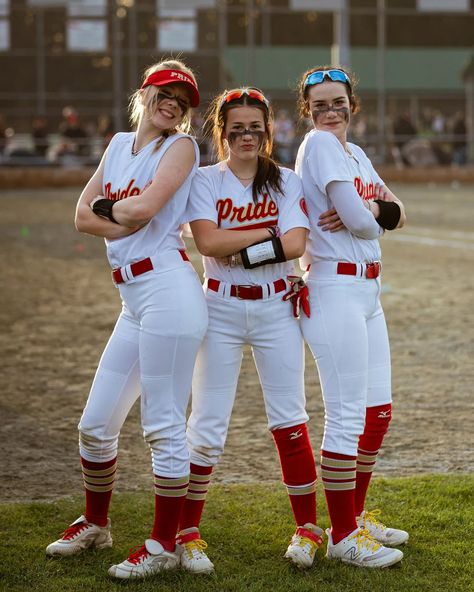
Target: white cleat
359, 548
304, 544
391, 537
192, 550
81, 535
150, 559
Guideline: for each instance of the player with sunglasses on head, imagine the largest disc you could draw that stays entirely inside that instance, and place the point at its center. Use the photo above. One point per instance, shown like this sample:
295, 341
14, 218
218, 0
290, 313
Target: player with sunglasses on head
136, 200
347, 333
248, 219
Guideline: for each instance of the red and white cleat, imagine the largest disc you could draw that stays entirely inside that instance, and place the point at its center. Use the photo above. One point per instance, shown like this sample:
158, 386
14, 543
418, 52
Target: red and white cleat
81, 535
304, 544
192, 551
149, 559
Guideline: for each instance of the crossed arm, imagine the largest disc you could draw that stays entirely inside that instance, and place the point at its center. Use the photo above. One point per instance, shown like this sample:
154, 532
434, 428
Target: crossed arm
133, 213
330, 220
212, 241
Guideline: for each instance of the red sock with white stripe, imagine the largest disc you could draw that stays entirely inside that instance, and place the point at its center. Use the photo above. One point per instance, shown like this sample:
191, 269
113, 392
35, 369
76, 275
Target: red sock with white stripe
170, 494
99, 478
199, 480
377, 420
298, 471
338, 472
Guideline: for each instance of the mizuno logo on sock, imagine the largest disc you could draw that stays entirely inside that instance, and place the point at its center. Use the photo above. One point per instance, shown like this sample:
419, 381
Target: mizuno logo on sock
297, 434
384, 414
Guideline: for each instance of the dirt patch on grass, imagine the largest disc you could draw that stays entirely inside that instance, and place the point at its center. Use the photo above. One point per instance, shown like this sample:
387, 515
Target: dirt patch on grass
59, 307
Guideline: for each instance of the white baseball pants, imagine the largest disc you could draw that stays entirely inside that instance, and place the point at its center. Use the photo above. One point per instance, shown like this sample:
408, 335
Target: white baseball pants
274, 335
152, 351
348, 337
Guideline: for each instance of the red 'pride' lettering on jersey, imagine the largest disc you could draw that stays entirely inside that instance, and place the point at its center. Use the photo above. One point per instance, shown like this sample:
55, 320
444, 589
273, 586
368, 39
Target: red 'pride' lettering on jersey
130, 191
367, 190
263, 209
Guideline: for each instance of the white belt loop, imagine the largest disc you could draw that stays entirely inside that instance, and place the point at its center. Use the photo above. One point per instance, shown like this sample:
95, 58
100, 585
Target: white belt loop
223, 290
126, 272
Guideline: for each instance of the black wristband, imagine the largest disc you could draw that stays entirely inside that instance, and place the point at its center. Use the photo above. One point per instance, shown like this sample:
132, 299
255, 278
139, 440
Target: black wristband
390, 214
279, 254
103, 208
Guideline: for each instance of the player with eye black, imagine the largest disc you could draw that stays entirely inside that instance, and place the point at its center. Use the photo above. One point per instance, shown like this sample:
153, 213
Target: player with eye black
347, 333
249, 221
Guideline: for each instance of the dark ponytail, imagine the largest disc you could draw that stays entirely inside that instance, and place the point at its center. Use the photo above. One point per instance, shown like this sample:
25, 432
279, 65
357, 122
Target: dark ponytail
268, 177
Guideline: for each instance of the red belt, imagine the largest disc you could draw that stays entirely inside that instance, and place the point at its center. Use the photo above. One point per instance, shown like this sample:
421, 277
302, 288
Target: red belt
248, 292
372, 270
138, 268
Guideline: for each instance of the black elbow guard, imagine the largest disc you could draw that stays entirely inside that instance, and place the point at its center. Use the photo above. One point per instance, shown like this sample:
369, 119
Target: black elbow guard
269, 251
103, 208
390, 213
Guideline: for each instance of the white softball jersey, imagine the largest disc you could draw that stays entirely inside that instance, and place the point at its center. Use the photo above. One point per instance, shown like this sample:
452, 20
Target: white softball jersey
322, 159
126, 176
218, 195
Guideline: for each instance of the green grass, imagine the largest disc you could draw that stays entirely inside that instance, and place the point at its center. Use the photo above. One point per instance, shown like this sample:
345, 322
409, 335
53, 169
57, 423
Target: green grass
247, 528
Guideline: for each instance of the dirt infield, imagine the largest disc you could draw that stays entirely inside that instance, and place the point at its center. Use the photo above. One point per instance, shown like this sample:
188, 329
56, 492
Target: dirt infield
59, 306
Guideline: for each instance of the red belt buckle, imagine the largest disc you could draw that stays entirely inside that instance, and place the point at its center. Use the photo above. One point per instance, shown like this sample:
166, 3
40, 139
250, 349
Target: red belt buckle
372, 270
248, 292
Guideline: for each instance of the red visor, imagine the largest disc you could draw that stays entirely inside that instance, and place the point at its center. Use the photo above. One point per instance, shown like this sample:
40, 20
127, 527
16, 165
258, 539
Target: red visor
164, 77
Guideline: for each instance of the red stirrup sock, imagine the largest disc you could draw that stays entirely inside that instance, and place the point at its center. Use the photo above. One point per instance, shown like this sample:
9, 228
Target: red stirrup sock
99, 480
199, 480
298, 471
170, 494
338, 473
377, 420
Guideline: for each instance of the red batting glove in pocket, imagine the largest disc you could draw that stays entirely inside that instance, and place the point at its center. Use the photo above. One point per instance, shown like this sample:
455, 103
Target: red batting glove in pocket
299, 296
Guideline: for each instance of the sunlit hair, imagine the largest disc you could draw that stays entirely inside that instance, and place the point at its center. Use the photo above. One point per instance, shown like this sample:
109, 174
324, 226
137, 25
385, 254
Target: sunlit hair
268, 173
303, 104
142, 99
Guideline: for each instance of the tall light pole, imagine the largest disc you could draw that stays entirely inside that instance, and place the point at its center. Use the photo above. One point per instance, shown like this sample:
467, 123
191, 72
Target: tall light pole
250, 69
381, 43
117, 66
340, 49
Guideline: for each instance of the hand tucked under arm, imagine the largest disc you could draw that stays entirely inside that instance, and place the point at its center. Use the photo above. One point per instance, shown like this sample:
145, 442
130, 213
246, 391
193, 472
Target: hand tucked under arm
330, 220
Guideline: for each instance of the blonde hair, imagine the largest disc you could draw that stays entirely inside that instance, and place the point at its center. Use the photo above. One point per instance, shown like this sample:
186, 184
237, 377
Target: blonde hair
141, 99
